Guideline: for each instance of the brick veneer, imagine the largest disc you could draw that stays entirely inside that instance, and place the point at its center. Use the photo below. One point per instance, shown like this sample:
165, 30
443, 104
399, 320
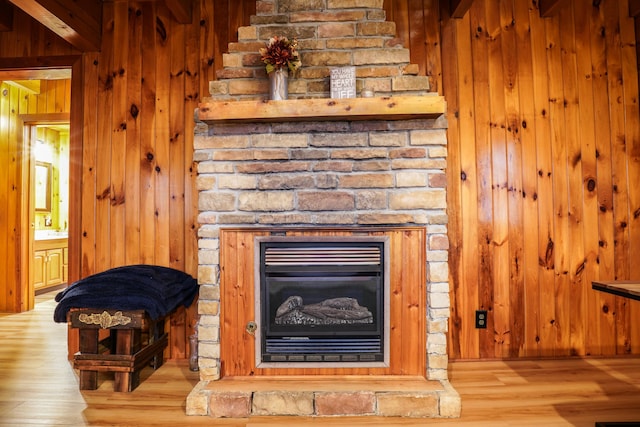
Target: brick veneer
322, 174
330, 33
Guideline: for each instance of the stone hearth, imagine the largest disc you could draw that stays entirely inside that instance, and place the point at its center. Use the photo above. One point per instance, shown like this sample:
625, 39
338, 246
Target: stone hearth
310, 163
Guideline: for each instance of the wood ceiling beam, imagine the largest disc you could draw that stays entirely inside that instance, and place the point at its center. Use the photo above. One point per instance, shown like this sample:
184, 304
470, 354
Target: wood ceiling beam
77, 22
6, 16
634, 8
182, 10
31, 74
43, 68
549, 8
457, 8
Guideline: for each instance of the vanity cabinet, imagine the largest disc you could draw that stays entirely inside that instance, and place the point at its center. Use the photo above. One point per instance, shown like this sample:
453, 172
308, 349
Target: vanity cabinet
50, 266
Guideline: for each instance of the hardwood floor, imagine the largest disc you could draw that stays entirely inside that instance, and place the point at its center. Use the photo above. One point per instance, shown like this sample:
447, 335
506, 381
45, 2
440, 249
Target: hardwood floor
38, 387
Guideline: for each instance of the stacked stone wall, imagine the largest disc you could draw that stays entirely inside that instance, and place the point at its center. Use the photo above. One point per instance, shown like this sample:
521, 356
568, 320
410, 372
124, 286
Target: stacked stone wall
323, 174
330, 33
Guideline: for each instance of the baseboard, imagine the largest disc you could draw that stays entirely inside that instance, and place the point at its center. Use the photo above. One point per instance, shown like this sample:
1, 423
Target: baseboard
50, 289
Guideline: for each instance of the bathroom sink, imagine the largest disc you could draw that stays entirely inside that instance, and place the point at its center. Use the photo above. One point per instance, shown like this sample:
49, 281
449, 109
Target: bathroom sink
50, 234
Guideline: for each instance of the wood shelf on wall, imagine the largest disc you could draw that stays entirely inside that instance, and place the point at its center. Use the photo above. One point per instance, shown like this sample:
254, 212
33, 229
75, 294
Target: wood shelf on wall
376, 108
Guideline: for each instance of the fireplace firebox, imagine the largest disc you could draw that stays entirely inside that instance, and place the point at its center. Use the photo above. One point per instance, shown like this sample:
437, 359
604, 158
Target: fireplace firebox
322, 301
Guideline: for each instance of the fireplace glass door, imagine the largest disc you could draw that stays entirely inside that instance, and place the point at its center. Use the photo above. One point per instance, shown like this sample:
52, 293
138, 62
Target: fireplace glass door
322, 301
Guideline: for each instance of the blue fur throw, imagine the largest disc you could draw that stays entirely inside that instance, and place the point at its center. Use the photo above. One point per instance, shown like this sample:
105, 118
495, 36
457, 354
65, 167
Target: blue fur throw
157, 290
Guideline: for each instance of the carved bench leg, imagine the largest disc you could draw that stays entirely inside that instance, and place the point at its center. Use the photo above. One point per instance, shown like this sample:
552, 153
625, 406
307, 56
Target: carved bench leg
128, 341
157, 331
88, 344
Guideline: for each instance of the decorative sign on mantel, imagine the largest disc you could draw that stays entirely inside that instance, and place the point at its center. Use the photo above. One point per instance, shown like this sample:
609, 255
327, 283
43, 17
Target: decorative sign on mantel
343, 82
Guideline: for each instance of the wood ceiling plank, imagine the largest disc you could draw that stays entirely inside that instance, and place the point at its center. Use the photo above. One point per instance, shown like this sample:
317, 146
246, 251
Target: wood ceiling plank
43, 68
44, 74
79, 23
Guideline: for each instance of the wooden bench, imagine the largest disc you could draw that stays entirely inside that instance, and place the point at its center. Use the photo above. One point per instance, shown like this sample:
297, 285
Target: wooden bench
133, 342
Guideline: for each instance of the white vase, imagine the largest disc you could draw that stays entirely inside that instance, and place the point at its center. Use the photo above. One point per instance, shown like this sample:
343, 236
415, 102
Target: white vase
279, 84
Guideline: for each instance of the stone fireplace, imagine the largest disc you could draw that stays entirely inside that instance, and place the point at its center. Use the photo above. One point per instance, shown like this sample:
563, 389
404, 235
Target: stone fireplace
336, 171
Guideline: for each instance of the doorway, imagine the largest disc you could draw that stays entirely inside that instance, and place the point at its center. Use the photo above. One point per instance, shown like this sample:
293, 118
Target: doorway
16, 266
48, 145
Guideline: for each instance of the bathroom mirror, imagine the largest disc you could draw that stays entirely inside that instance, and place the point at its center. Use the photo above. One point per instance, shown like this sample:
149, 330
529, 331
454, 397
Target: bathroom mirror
43, 187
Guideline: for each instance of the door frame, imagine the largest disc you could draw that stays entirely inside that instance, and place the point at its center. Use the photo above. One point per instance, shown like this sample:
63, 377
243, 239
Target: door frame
29, 124
42, 68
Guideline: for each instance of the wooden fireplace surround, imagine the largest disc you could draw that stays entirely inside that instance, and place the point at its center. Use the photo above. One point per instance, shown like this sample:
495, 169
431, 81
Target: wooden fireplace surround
407, 340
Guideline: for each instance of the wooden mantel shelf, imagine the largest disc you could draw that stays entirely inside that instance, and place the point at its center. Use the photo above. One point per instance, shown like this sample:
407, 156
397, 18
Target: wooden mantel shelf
377, 108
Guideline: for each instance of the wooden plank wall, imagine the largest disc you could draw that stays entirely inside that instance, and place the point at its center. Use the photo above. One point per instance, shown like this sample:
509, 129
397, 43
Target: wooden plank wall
9, 177
138, 202
544, 156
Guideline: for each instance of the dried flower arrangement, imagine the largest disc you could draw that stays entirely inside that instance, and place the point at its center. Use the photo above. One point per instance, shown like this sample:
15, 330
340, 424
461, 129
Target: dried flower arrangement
279, 53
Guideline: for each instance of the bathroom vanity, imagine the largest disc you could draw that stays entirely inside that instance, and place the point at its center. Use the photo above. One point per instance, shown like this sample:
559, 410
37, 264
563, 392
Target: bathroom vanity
50, 266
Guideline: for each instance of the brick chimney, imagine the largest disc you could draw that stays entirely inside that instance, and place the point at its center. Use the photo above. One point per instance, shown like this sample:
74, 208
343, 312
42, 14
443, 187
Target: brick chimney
330, 33
315, 163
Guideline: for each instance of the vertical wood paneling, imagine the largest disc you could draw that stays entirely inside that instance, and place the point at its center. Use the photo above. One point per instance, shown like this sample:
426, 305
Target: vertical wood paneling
585, 269
450, 78
190, 194
395, 296
219, 22
632, 139
118, 134
177, 175
192, 97
606, 332
103, 142
162, 135
619, 169
5, 156
432, 44
148, 135
133, 157
575, 245
528, 263
569, 133
483, 264
560, 236
237, 351
412, 359
417, 33
12, 203
544, 152
589, 171
514, 180
89, 166
177, 142
499, 242
208, 59
469, 232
